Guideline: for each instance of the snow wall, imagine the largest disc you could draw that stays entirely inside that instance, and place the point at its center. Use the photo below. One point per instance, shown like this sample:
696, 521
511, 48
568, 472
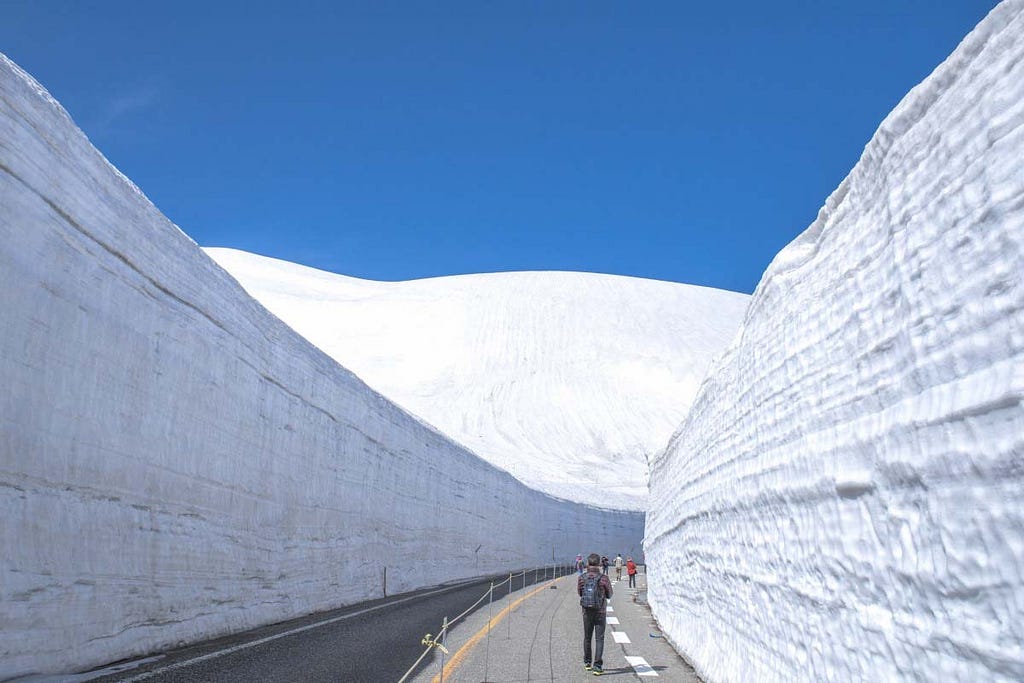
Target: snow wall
844, 501
176, 463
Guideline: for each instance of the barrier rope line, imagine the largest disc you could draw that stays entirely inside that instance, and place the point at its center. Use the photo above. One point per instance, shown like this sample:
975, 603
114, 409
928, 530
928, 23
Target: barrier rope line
471, 607
461, 654
437, 642
417, 663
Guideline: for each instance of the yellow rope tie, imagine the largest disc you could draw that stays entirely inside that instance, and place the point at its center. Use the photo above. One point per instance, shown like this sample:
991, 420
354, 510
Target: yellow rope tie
430, 641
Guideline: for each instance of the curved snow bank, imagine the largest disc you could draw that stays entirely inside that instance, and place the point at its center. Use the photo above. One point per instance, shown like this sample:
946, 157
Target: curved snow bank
844, 501
570, 381
175, 462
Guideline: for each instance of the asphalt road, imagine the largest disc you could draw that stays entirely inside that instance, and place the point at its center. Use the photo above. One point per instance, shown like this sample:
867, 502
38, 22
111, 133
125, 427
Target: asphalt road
374, 641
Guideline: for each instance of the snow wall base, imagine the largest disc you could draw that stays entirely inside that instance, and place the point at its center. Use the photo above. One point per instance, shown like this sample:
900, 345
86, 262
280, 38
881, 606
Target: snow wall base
176, 463
843, 502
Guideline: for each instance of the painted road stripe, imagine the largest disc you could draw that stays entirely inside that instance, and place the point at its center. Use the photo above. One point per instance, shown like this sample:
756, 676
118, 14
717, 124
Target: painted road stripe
610, 608
620, 637
254, 643
640, 666
614, 621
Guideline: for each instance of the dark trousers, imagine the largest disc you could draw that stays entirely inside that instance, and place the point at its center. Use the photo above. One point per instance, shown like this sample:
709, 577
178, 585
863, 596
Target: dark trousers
593, 625
632, 580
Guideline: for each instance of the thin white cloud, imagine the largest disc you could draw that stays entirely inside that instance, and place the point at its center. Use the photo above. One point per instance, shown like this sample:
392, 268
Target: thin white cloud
124, 104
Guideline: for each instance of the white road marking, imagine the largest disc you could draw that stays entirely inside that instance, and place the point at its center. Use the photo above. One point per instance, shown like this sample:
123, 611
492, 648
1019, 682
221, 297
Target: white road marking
614, 621
307, 627
640, 666
610, 608
620, 637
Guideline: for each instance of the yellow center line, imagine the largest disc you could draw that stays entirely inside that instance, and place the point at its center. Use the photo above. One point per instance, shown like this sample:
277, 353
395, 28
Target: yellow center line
463, 651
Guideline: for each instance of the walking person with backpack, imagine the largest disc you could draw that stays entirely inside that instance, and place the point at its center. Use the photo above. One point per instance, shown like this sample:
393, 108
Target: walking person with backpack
594, 588
631, 570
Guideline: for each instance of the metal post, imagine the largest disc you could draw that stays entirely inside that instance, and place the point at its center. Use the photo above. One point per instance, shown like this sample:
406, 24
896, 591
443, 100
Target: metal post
509, 605
444, 639
487, 645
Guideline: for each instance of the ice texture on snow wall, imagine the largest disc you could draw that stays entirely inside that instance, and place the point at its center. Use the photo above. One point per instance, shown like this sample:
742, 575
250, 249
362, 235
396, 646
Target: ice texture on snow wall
844, 501
175, 462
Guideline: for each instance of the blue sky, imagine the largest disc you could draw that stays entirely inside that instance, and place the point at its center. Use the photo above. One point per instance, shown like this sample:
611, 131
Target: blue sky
680, 141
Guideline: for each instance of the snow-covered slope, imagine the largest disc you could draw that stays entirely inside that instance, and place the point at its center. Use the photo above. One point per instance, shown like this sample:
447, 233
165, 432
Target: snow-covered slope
844, 502
175, 462
570, 381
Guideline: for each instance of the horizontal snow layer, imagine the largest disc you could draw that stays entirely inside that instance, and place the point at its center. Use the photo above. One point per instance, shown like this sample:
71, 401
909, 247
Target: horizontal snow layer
176, 463
844, 501
570, 381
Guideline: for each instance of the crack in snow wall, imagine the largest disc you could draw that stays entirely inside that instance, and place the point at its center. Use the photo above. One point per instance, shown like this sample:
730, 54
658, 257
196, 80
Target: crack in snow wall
176, 463
843, 502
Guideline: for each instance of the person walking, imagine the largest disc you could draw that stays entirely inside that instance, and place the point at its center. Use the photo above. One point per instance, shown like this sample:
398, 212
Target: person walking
579, 563
594, 589
604, 563
618, 567
631, 570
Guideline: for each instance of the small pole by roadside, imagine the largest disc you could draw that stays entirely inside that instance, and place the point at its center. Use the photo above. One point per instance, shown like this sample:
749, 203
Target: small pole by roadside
444, 640
510, 605
487, 645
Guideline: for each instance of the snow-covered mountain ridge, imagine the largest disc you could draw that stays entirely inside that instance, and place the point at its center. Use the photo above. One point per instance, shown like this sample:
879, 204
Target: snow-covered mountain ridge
843, 502
569, 381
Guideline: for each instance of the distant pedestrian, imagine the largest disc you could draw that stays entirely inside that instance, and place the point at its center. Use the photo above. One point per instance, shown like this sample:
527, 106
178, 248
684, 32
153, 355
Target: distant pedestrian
631, 570
604, 563
618, 567
594, 589
579, 563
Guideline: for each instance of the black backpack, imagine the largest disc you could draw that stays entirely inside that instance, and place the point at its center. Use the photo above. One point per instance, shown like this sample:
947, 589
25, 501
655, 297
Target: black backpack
593, 593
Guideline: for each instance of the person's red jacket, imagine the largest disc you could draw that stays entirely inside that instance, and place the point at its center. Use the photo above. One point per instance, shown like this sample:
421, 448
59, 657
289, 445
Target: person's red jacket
631, 567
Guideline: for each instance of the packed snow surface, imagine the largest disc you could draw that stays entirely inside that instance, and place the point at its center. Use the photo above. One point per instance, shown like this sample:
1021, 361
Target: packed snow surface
177, 463
844, 502
570, 381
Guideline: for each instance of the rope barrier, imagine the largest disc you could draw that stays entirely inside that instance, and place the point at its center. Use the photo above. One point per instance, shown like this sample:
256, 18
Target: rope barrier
472, 607
416, 664
437, 641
